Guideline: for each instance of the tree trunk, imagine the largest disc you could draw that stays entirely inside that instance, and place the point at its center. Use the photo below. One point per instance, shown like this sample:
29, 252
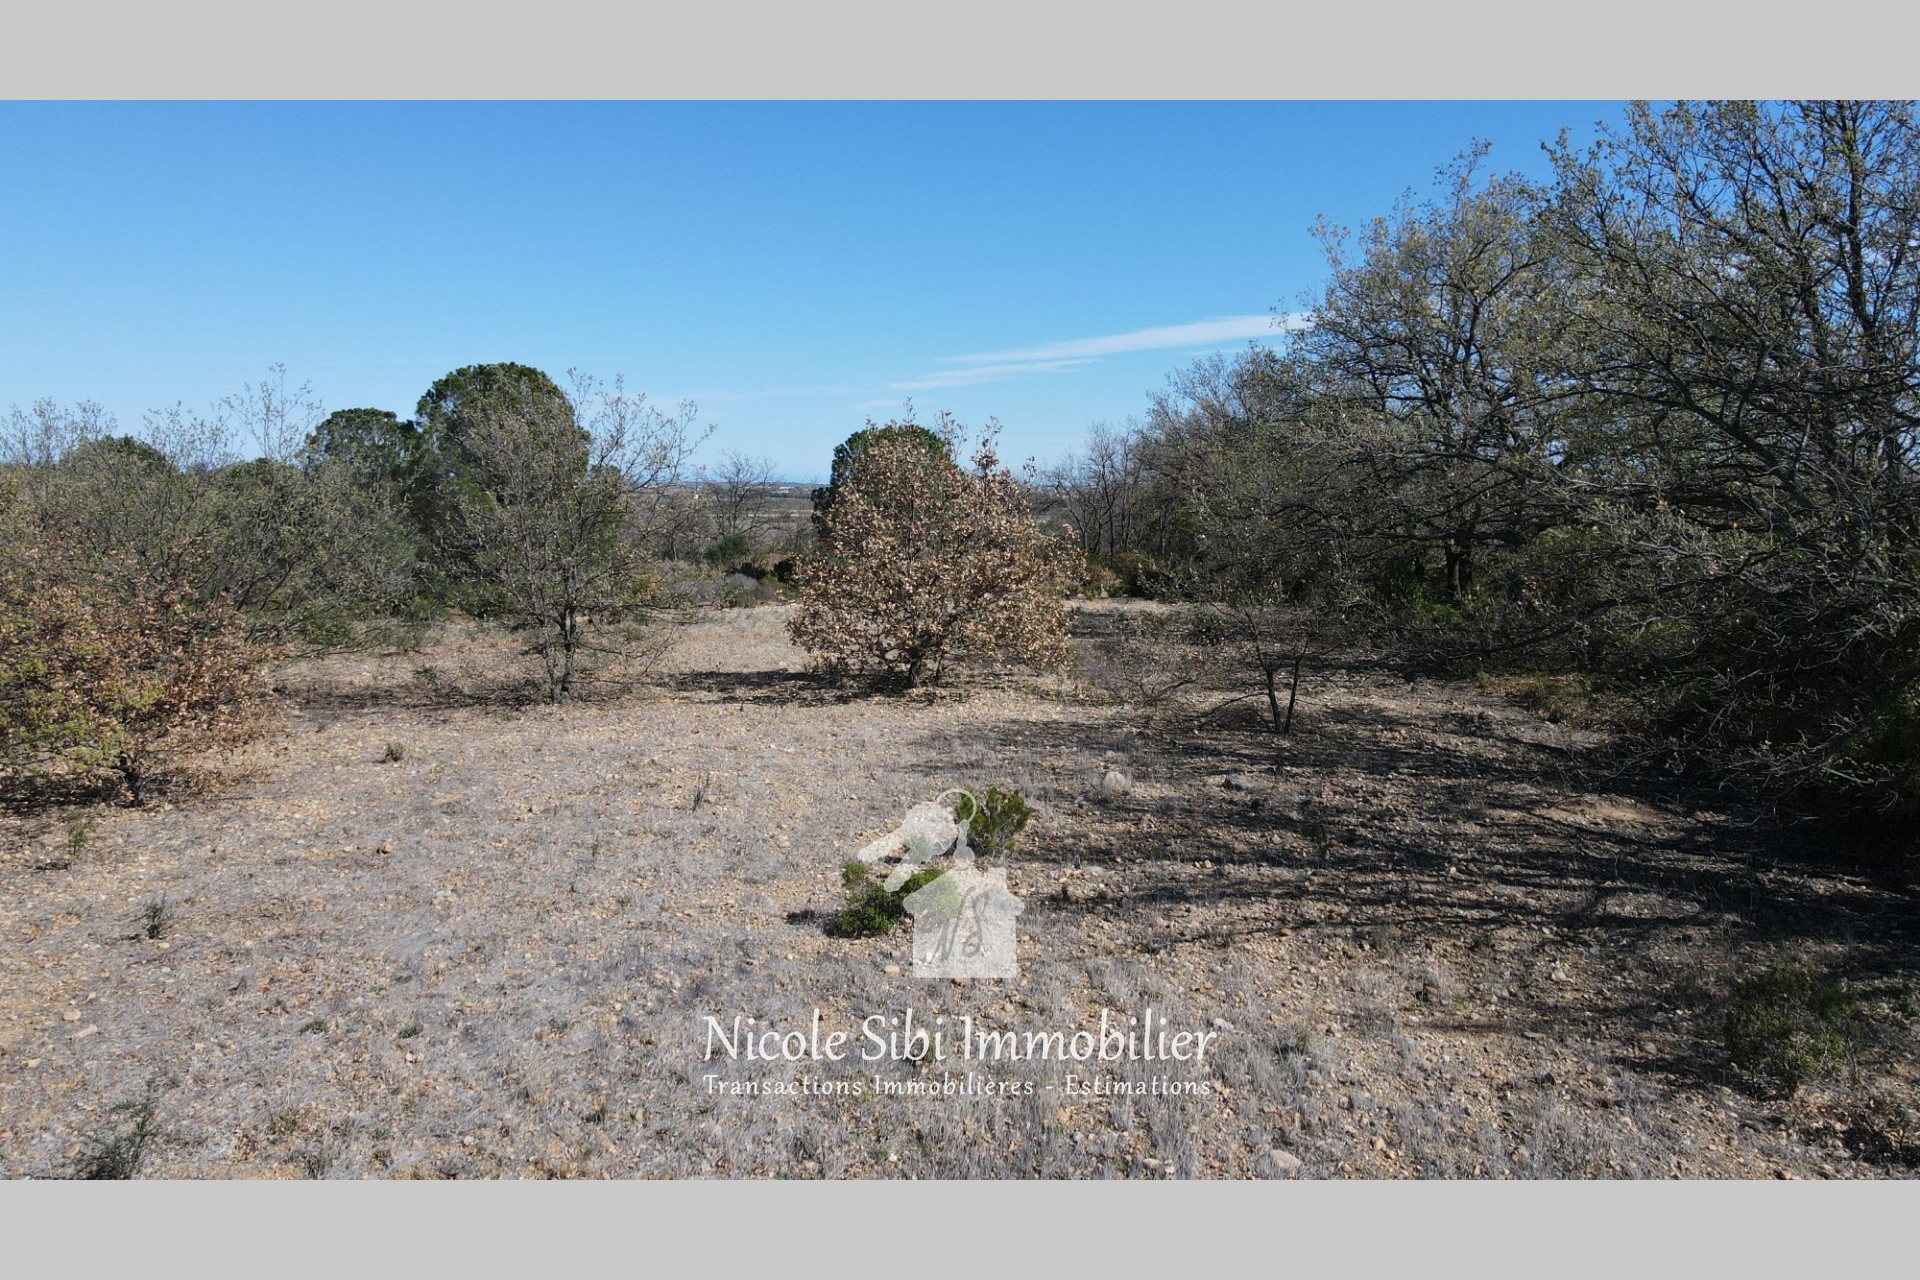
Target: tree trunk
135, 778
1282, 720
1293, 696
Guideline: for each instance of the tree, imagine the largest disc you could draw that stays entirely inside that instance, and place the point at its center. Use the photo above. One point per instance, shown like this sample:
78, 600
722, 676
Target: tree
847, 456
1102, 492
1442, 338
920, 561
108, 670
1749, 344
738, 490
302, 543
447, 415
547, 511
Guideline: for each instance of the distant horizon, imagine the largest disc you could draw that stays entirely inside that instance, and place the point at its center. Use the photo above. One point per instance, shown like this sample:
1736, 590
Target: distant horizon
794, 269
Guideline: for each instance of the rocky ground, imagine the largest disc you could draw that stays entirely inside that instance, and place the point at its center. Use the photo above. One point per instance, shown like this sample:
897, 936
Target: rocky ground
437, 931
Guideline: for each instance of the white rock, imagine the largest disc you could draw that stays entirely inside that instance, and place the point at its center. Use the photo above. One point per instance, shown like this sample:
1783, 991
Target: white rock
1285, 1163
1115, 783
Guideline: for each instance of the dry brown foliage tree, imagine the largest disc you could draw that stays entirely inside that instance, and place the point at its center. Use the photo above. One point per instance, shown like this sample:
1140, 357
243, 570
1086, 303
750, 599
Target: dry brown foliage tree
921, 560
112, 673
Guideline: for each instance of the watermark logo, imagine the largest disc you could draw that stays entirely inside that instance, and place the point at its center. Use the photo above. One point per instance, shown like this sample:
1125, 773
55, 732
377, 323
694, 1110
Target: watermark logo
963, 921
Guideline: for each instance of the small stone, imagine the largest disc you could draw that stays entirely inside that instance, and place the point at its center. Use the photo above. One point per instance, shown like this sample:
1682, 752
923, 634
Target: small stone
84, 1032
1243, 782
71, 1015
891, 970
1285, 1163
386, 846
1559, 975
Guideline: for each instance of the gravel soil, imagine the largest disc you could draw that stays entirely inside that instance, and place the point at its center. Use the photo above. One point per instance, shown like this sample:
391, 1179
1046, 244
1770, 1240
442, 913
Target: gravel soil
1433, 935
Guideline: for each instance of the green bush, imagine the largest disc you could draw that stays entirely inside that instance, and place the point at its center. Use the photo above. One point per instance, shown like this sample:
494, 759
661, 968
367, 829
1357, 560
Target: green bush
1788, 1025
872, 909
993, 819
731, 550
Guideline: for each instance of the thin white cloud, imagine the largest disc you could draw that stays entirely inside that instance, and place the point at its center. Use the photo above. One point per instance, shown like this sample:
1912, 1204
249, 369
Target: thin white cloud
1197, 333
815, 389
983, 373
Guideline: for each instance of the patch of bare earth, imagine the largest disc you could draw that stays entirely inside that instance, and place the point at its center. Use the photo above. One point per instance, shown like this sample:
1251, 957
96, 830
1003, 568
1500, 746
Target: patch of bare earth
1433, 937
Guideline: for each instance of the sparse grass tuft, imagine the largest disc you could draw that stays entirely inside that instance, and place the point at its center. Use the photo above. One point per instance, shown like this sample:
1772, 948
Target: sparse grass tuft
317, 1026
395, 753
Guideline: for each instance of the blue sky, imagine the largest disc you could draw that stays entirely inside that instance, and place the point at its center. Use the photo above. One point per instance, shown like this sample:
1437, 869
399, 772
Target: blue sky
794, 268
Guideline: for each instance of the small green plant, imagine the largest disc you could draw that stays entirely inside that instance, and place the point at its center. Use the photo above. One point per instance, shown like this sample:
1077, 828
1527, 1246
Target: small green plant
873, 909
993, 819
394, 754
156, 919
118, 1151
700, 792
1789, 1025
409, 1031
285, 1122
79, 833
317, 1026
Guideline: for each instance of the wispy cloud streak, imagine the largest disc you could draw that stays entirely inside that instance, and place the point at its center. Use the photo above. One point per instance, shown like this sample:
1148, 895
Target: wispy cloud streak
1197, 333
983, 373
1074, 353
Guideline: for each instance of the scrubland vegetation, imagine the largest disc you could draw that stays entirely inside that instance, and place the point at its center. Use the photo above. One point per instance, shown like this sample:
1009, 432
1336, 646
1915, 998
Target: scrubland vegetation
1496, 711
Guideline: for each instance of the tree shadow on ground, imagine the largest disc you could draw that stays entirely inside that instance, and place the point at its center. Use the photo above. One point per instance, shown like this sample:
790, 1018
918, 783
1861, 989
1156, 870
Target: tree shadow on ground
1599, 900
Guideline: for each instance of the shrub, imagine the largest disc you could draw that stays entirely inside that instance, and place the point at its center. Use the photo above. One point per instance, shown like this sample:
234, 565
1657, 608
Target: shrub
119, 1150
1788, 1025
114, 673
920, 561
1139, 576
1097, 582
993, 819
731, 549
156, 919
872, 909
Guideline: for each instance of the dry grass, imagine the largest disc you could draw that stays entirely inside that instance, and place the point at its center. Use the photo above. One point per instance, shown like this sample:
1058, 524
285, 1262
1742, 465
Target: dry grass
1435, 938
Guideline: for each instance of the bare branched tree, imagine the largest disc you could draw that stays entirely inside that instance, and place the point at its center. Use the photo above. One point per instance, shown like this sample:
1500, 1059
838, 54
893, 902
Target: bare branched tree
737, 490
